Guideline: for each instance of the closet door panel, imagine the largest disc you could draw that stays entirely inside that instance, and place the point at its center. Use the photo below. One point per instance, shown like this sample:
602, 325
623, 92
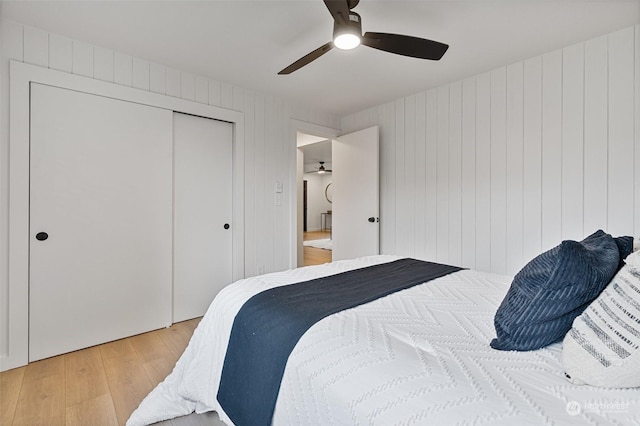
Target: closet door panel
101, 189
202, 209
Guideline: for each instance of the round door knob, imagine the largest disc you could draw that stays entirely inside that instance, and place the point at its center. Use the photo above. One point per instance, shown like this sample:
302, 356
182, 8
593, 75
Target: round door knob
372, 219
41, 236
226, 226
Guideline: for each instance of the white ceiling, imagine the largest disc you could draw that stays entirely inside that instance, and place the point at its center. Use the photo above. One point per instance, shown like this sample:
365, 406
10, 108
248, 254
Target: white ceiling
246, 43
316, 152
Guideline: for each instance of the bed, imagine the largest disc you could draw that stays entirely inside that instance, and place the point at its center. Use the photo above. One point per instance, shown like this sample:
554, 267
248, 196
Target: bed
418, 356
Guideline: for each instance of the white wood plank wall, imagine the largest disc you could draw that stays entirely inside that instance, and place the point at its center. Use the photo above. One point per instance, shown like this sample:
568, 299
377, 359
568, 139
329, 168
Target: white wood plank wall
490, 171
268, 147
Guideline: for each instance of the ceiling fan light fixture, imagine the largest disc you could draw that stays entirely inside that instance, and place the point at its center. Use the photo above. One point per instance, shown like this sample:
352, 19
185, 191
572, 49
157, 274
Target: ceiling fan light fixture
348, 35
346, 41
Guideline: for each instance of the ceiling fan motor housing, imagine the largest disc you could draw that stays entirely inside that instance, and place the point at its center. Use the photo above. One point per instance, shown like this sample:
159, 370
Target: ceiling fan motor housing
352, 26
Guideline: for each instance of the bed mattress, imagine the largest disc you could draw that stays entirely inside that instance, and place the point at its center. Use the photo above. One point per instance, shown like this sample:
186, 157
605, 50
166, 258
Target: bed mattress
418, 356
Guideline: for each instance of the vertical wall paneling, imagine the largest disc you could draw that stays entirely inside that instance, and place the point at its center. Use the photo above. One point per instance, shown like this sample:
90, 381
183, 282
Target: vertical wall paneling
36, 46
250, 184
468, 173
431, 175
259, 168
455, 173
103, 64
621, 128
202, 90
636, 168
157, 78
140, 74
348, 123
595, 134
403, 240
572, 142
420, 199
282, 152
12, 48
60, 53
83, 59
409, 168
386, 118
362, 119
173, 82
551, 149
514, 168
13, 40
226, 96
215, 93
516, 159
483, 172
122, 69
442, 176
187, 86
532, 153
271, 158
498, 170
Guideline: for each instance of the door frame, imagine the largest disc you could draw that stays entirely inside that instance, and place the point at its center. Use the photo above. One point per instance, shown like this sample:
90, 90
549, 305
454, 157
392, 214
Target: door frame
20, 77
295, 182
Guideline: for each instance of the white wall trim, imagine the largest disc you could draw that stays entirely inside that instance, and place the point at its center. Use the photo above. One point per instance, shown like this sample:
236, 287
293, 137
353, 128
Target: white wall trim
21, 75
296, 224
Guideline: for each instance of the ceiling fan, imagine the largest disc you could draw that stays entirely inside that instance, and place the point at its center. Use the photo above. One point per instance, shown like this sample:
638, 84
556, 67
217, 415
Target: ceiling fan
322, 169
347, 34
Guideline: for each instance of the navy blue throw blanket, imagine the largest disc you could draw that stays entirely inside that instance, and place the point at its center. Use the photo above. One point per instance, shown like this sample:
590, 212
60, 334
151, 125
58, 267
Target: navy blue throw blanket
269, 325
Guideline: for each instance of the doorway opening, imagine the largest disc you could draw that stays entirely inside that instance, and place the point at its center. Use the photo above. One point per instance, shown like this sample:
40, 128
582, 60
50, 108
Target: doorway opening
317, 214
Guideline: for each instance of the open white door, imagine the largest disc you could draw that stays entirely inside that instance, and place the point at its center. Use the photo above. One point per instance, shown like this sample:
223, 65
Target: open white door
356, 228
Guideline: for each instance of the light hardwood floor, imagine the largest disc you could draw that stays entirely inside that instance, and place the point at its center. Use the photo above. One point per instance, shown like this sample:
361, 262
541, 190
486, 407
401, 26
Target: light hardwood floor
316, 256
102, 385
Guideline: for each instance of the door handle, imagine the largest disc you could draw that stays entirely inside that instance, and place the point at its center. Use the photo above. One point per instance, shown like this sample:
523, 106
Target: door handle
372, 219
226, 226
41, 236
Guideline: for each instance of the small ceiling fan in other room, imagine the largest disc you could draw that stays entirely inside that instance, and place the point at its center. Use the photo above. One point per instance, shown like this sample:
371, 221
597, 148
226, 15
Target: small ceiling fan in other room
322, 169
347, 34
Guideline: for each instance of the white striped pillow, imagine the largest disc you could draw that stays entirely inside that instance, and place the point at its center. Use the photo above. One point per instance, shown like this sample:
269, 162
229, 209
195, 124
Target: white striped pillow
602, 347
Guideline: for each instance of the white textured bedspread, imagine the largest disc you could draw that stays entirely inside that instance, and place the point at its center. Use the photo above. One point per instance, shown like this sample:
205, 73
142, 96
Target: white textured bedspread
419, 356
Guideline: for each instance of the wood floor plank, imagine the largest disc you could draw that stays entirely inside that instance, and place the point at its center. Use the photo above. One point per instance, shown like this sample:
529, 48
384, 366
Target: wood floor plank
115, 349
41, 401
149, 346
159, 368
97, 411
126, 376
85, 377
45, 367
313, 255
316, 256
10, 385
101, 385
178, 335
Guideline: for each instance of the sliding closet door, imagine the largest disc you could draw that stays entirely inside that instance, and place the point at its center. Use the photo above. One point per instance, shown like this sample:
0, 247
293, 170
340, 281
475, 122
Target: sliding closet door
100, 220
202, 213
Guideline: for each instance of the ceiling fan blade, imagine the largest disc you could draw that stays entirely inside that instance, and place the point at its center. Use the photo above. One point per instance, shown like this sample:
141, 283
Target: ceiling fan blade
405, 45
307, 58
339, 9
